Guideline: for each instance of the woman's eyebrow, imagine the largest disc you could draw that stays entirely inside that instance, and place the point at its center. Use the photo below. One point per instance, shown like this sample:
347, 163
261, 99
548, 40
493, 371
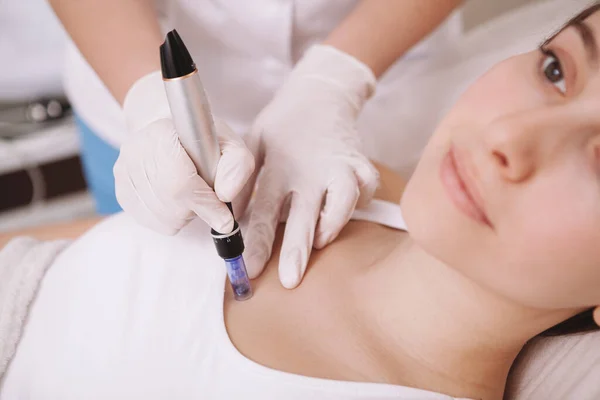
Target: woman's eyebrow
589, 42
587, 35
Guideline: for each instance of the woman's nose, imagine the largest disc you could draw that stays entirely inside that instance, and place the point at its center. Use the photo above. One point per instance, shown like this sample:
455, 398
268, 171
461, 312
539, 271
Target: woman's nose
511, 149
519, 145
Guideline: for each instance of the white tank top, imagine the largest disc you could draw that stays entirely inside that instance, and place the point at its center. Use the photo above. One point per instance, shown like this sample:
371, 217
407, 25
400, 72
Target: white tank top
125, 313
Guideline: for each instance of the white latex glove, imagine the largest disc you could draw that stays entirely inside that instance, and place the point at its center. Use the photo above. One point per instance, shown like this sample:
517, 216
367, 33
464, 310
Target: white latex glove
307, 149
156, 181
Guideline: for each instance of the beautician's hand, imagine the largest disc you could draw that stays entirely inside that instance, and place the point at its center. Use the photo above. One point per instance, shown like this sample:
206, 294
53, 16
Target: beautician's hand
156, 181
308, 151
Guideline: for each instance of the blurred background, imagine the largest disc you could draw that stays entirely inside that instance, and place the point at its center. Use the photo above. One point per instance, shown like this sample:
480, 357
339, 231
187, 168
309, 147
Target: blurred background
41, 178
40, 172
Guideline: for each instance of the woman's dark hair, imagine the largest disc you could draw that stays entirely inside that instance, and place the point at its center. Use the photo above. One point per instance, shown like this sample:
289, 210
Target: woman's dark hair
575, 20
582, 322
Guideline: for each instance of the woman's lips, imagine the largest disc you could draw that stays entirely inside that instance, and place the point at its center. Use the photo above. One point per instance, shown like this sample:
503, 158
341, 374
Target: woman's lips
459, 190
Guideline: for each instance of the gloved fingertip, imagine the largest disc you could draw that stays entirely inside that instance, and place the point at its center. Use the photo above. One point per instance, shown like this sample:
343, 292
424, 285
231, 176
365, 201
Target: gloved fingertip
228, 192
290, 270
230, 184
224, 224
323, 236
290, 279
224, 195
254, 264
320, 241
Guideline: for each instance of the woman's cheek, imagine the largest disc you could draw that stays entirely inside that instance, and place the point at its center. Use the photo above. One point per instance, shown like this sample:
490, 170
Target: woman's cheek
509, 87
557, 239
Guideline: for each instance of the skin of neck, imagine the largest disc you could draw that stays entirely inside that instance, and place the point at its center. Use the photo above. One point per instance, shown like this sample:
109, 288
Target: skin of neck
439, 330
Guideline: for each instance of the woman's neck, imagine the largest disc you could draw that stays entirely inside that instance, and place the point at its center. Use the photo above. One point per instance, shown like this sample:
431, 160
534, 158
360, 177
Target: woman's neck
440, 330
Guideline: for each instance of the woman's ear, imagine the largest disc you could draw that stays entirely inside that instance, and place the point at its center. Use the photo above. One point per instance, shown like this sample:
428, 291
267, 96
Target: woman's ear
597, 315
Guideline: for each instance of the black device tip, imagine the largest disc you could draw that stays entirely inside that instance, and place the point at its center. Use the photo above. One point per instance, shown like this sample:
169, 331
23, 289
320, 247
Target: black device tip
175, 59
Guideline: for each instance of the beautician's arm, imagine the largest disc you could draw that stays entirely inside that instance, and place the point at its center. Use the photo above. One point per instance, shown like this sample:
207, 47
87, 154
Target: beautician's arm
67, 230
378, 32
118, 38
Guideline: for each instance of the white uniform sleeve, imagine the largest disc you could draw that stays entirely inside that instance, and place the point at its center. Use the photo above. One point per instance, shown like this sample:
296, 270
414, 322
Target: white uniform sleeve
23, 263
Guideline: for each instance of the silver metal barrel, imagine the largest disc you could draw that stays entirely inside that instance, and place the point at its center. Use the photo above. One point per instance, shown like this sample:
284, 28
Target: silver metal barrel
194, 123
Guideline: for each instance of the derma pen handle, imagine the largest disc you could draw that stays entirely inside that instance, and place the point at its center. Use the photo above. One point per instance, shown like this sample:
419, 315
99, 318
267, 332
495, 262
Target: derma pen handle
196, 130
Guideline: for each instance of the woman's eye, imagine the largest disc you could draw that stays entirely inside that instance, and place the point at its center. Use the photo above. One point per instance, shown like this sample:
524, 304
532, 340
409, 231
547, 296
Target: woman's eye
552, 70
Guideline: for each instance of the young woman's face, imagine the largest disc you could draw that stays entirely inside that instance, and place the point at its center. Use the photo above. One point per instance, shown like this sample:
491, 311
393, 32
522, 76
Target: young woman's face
508, 189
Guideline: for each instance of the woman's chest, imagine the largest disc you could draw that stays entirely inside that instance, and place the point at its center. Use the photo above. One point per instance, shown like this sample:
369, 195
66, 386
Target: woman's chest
316, 329
303, 336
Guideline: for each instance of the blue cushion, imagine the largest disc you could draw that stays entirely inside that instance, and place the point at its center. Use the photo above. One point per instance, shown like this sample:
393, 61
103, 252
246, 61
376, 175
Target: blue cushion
98, 158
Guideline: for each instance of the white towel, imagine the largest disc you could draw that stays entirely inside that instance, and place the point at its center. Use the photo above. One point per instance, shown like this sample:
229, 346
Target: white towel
23, 263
